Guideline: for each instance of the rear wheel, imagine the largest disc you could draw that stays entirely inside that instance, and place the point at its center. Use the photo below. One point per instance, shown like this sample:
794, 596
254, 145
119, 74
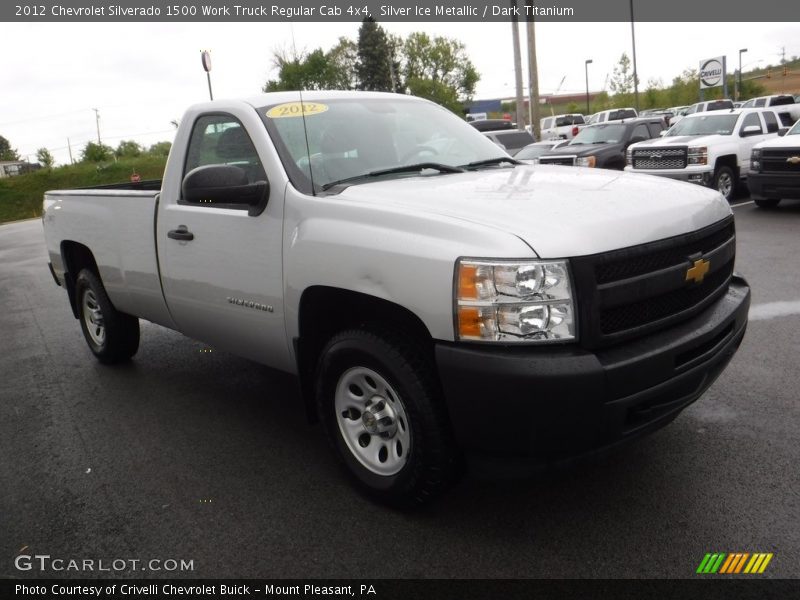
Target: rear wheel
111, 335
767, 202
379, 403
725, 182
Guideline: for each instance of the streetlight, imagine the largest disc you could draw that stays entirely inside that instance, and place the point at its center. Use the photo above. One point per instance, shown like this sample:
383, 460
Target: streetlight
206, 58
586, 64
739, 87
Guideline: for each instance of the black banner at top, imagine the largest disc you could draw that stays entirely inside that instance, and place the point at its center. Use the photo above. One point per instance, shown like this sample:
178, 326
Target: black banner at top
565, 11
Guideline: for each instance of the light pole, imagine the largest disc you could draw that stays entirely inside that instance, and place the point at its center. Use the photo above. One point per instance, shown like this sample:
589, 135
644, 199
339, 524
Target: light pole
586, 64
206, 57
739, 87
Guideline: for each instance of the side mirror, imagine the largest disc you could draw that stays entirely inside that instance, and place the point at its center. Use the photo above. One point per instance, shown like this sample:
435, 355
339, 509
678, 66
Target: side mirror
783, 131
750, 130
662, 133
226, 186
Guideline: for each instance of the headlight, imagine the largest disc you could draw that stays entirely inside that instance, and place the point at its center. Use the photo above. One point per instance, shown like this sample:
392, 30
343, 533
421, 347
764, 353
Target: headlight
514, 301
698, 155
755, 159
585, 161
629, 156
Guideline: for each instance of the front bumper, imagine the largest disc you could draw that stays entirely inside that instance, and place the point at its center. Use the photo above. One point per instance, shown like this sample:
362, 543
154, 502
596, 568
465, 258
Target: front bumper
773, 185
702, 176
552, 403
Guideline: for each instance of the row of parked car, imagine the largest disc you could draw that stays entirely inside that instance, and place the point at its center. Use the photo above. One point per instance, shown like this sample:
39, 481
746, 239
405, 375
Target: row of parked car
711, 143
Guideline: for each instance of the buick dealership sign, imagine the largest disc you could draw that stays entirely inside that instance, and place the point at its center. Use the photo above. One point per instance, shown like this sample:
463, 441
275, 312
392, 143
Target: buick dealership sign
712, 72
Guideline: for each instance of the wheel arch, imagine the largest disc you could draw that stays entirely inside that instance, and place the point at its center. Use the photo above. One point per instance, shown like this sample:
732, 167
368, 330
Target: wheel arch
728, 160
75, 257
325, 311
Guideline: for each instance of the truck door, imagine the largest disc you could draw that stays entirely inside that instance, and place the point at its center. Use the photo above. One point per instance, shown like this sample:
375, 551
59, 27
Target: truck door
221, 268
750, 139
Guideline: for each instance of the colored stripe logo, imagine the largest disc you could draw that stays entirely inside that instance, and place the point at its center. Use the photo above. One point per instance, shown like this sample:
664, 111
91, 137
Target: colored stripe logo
734, 563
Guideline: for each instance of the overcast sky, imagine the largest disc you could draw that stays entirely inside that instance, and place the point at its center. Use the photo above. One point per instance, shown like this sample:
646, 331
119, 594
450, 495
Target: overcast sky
140, 76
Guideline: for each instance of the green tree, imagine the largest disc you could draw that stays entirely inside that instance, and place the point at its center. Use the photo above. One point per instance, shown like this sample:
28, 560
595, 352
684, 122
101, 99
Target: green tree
439, 69
622, 81
128, 149
374, 66
45, 158
343, 59
6, 151
317, 70
160, 149
94, 152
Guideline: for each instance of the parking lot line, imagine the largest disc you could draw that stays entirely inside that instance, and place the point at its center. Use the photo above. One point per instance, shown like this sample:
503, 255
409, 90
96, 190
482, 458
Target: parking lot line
771, 310
742, 203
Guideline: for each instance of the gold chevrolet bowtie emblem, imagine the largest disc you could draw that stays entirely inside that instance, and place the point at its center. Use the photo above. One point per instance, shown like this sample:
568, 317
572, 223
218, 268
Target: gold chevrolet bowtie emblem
793, 160
698, 271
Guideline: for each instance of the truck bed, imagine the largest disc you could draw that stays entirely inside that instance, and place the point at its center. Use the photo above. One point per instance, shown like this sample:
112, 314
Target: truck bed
117, 223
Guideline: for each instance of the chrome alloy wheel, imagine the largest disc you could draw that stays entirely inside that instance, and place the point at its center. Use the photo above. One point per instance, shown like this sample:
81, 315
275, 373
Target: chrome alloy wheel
372, 421
93, 317
725, 184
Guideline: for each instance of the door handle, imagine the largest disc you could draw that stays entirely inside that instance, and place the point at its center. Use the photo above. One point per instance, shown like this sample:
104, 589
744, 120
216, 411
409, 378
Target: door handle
182, 233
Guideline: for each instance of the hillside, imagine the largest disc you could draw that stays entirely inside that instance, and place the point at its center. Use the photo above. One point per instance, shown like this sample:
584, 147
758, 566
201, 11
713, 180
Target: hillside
21, 197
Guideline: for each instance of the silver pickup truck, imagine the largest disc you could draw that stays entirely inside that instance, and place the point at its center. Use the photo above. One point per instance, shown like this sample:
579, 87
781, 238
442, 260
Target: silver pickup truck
437, 300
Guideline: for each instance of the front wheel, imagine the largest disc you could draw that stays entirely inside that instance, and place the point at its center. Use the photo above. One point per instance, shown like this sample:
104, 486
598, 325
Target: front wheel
111, 335
767, 202
725, 182
379, 403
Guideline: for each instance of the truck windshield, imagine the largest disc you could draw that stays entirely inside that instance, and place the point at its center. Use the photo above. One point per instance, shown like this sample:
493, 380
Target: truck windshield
705, 125
330, 140
599, 134
794, 130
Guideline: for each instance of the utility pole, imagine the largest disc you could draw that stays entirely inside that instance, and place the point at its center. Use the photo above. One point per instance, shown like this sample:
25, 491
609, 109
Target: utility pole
517, 65
97, 120
533, 73
69, 147
586, 64
635, 72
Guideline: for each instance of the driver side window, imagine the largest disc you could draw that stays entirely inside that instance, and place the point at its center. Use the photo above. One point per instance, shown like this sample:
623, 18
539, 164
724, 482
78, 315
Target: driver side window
222, 140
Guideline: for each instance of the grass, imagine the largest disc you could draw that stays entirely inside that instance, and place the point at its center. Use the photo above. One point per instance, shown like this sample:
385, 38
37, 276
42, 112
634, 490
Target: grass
21, 197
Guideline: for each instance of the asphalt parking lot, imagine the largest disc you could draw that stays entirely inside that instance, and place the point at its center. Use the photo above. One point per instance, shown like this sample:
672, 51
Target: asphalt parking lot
194, 455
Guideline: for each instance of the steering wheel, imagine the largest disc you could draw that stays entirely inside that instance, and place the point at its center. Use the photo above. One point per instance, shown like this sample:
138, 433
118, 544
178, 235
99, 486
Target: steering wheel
417, 151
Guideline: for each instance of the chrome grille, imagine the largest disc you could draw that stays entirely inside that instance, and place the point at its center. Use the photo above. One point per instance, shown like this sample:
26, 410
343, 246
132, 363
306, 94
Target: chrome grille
659, 158
568, 160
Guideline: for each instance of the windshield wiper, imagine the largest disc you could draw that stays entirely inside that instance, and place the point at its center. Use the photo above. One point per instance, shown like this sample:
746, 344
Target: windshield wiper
401, 169
491, 161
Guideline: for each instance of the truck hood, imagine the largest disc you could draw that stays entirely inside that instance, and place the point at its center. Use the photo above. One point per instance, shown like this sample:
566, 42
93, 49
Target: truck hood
557, 211
684, 140
787, 141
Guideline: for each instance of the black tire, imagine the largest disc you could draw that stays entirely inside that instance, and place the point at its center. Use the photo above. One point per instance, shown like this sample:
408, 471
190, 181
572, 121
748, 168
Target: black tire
725, 182
431, 463
767, 202
112, 336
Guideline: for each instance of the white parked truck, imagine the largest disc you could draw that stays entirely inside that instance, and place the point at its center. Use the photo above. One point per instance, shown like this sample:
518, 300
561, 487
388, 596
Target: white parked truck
785, 105
709, 148
436, 299
775, 169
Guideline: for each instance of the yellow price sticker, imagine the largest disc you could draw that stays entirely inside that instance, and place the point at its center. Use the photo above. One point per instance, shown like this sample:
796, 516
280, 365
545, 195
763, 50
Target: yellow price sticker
296, 109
